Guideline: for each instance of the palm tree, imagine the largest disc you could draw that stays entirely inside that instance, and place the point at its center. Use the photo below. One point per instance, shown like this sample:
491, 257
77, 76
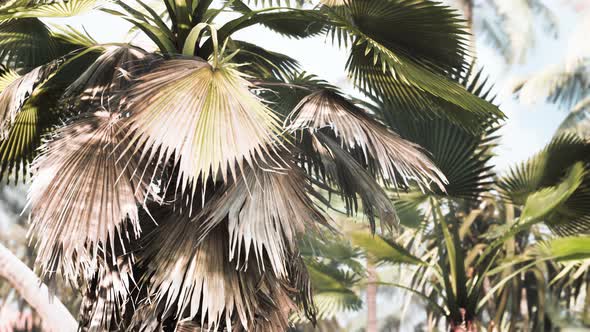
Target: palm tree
171, 187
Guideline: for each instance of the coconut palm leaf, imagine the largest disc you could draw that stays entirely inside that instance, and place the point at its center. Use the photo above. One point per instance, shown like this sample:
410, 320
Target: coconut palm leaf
266, 212
49, 9
577, 120
177, 107
394, 158
410, 72
83, 166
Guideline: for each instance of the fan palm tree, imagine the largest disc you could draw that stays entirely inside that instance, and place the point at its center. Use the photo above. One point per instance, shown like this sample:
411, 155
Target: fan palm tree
171, 187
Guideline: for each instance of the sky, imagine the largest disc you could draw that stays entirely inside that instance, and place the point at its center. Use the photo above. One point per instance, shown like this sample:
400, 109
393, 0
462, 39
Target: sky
529, 126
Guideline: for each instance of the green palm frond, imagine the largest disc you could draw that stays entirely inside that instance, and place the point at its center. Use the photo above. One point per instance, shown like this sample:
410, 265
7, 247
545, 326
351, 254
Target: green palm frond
382, 250
15, 94
83, 165
411, 73
203, 114
69, 39
333, 290
47, 9
293, 23
7, 76
26, 43
545, 170
266, 212
463, 156
36, 118
564, 249
577, 121
261, 63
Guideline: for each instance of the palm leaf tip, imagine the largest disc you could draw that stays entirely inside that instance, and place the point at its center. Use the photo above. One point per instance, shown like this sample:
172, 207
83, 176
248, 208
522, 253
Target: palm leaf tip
185, 107
395, 157
84, 167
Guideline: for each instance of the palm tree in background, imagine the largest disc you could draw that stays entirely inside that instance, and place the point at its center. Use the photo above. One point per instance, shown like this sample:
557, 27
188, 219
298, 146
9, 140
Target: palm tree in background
171, 188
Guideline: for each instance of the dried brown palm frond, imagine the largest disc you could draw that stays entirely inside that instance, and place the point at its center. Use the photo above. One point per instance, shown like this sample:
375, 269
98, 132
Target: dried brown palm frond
197, 282
106, 294
111, 72
397, 159
13, 96
353, 179
204, 116
265, 211
81, 198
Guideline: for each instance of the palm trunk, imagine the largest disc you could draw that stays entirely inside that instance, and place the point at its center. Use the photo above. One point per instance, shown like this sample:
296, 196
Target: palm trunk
371, 298
54, 315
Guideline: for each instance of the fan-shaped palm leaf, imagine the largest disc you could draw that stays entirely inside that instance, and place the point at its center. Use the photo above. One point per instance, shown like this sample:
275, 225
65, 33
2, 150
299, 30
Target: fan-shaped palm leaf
49, 9
206, 117
36, 117
266, 212
261, 63
26, 43
81, 167
333, 290
14, 96
395, 158
463, 156
110, 73
198, 281
544, 170
408, 71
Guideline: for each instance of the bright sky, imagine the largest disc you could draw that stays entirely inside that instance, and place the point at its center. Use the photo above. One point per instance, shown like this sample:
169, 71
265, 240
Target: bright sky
527, 130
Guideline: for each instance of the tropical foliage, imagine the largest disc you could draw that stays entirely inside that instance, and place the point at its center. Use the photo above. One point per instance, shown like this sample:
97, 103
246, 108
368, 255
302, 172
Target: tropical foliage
171, 186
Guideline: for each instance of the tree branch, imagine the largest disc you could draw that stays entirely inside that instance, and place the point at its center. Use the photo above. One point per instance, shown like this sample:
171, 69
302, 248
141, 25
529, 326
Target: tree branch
54, 315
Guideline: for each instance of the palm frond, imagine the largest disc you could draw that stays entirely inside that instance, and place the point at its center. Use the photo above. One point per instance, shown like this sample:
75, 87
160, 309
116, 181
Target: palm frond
382, 250
564, 249
37, 116
352, 179
333, 290
14, 95
7, 76
111, 73
198, 282
26, 43
412, 72
266, 212
560, 84
84, 167
47, 9
206, 117
261, 63
545, 170
395, 159
463, 156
